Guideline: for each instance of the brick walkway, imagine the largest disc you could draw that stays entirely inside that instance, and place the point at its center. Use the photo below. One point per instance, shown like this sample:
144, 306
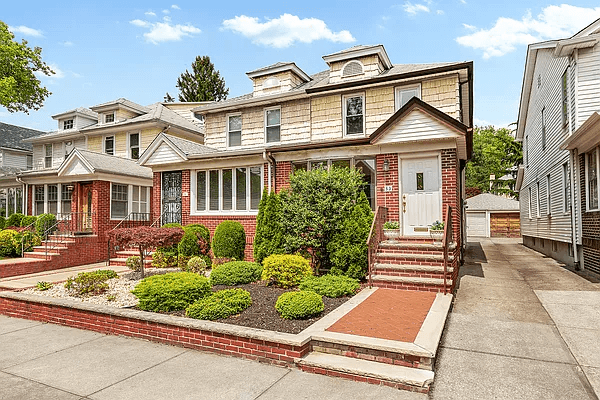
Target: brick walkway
387, 314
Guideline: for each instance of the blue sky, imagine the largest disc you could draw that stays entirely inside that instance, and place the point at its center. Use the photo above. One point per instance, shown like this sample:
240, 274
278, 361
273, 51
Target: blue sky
105, 50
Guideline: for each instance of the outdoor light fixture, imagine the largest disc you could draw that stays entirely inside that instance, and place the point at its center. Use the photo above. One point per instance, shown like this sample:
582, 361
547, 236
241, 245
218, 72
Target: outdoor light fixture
386, 165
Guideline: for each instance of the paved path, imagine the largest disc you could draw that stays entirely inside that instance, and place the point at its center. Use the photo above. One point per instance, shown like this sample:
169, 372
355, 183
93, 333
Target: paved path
522, 327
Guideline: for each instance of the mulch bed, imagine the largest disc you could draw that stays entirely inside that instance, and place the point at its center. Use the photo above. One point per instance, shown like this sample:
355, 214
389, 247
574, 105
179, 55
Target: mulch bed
262, 314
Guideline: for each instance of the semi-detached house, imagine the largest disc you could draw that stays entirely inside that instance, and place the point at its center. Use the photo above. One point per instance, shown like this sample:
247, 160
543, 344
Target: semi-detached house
407, 127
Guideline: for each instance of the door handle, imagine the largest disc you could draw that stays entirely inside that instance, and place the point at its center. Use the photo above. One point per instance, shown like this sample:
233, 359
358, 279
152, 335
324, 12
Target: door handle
404, 203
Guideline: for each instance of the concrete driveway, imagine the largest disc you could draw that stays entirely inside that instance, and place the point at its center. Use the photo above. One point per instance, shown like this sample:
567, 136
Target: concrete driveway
522, 327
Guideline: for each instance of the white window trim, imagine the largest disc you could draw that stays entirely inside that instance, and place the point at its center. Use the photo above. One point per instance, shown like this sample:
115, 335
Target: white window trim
402, 88
538, 203
51, 155
139, 133
543, 130
227, 129
221, 212
129, 199
565, 187
344, 109
265, 122
104, 144
548, 196
529, 201
104, 115
64, 121
587, 181
353, 75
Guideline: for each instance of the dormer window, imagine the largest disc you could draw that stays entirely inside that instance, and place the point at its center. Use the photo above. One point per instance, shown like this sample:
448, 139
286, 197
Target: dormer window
68, 124
271, 83
354, 121
109, 118
353, 68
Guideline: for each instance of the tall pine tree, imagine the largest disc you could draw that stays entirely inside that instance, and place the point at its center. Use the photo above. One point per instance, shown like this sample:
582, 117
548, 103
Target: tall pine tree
204, 83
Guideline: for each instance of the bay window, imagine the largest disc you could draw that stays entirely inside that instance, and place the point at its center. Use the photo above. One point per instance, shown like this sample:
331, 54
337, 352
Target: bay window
228, 190
129, 199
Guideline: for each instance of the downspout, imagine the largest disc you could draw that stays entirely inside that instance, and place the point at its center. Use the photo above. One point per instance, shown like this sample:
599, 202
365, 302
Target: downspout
573, 219
266, 159
274, 177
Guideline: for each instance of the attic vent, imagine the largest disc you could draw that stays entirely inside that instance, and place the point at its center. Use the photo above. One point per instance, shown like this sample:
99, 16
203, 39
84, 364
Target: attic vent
271, 82
352, 68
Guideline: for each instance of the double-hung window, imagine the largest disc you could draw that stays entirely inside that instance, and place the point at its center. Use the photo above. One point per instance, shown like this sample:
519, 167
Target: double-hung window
48, 155
405, 93
39, 199
565, 98
68, 124
118, 201
538, 212
234, 130
134, 146
109, 118
354, 118
273, 125
592, 177
109, 145
139, 202
52, 199
65, 198
228, 190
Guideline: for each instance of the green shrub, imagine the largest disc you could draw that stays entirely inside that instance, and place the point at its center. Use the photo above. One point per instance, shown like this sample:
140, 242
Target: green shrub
133, 263
164, 258
14, 220
229, 240
269, 229
201, 247
173, 291
172, 225
28, 220
196, 265
391, 225
2, 222
285, 270
298, 305
27, 239
235, 273
330, 285
44, 222
91, 283
9, 243
348, 248
42, 286
221, 304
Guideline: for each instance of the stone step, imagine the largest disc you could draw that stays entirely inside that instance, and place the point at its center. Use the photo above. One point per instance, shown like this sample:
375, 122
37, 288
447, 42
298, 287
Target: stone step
402, 377
410, 280
395, 269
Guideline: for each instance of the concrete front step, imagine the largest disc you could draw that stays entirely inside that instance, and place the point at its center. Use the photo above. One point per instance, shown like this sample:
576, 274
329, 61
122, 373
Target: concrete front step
431, 271
410, 282
392, 375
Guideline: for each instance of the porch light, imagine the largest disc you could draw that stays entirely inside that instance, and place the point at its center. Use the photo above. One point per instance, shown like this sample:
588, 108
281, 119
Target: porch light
386, 165
70, 187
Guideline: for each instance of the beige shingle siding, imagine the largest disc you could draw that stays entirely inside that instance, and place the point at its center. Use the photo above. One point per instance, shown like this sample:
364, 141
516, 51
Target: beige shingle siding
295, 121
95, 143
146, 137
121, 144
443, 94
287, 79
379, 107
326, 121
122, 115
216, 128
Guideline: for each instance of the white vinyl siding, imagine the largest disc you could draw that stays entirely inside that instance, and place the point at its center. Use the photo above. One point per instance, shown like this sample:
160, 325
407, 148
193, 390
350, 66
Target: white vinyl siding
588, 84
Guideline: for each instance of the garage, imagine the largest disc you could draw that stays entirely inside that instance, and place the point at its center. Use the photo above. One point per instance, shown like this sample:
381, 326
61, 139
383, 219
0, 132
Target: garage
489, 215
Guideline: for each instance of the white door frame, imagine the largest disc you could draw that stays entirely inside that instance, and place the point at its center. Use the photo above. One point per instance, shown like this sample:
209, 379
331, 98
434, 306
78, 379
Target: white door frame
408, 156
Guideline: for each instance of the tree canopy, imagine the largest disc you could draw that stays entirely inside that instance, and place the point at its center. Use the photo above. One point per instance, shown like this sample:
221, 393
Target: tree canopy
204, 83
20, 89
495, 152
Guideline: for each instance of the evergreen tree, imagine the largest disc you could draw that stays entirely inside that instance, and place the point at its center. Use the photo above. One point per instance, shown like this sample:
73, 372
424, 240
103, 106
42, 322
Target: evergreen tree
204, 83
269, 230
168, 98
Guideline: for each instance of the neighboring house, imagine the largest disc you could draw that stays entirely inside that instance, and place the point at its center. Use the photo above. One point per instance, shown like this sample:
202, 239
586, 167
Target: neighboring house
560, 130
15, 156
490, 215
407, 127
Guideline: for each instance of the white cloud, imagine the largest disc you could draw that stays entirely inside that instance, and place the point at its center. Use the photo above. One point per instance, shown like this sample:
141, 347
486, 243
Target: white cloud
150, 13
166, 32
167, 18
285, 30
25, 31
555, 22
463, 1
469, 27
440, 12
67, 43
140, 23
175, 7
414, 9
165, 11
58, 73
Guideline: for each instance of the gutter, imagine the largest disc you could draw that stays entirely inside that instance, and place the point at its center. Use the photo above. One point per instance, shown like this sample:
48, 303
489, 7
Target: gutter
272, 160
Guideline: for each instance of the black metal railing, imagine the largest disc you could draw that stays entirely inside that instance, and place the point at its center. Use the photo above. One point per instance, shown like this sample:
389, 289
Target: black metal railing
132, 220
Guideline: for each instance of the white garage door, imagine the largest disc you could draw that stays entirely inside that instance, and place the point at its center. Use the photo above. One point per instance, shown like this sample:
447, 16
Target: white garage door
476, 224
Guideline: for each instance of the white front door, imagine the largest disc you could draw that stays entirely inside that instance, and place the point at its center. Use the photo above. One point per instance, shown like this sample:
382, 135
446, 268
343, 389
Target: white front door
421, 199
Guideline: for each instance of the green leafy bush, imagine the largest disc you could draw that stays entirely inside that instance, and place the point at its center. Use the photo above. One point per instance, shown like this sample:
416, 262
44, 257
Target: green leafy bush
299, 305
269, 229
28, 220
44, 222
26, 240
14, 219
164, 258
330, 285
173, 291
2, 222
348, 248
285, 270
235, 273
221, 304
90, 283
42, 286
229, 240
196, 265
201, 247
9, 242
133, 263
172, 225
391, 225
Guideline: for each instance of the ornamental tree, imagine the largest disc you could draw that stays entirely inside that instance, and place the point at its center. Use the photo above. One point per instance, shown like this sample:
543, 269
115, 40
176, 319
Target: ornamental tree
204, 83
20, 89
145, 238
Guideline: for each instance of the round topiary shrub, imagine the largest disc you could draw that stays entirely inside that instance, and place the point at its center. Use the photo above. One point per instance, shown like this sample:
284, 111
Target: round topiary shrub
235, 273
133, 263
44, 222
331, 285
221, 304
196, 265
173, 291
28, 220
9, 243
299, 305
285, 270
14, 219
229, 240
202, 245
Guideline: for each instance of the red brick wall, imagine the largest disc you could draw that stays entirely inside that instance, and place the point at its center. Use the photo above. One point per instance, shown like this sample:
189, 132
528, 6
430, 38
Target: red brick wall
284, 170
391, 200
590, 227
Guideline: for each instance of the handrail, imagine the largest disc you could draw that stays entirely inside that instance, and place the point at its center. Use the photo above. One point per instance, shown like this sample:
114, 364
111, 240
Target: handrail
71, 222
27, 228
375, 236
445, 242
131, 217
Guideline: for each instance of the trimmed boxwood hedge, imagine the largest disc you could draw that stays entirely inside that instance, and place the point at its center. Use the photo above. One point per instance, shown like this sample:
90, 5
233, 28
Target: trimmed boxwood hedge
235, 273
330, 285
221, 304
14, 219
44, 222
285, 270
28, 220
173, 291
229, 240
299, 305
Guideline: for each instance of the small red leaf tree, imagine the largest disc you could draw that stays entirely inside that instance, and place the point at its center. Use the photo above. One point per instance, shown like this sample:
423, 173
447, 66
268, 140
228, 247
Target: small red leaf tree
145, 238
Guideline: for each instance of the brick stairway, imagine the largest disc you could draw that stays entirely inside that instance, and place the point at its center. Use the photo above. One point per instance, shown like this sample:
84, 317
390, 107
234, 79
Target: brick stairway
410, 263
121, 256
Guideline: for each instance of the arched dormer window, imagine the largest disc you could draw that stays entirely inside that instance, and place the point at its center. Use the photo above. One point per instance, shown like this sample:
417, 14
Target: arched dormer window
271, 82
352, 68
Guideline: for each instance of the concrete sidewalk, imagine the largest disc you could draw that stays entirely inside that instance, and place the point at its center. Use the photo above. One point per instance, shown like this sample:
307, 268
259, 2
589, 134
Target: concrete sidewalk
522, 327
